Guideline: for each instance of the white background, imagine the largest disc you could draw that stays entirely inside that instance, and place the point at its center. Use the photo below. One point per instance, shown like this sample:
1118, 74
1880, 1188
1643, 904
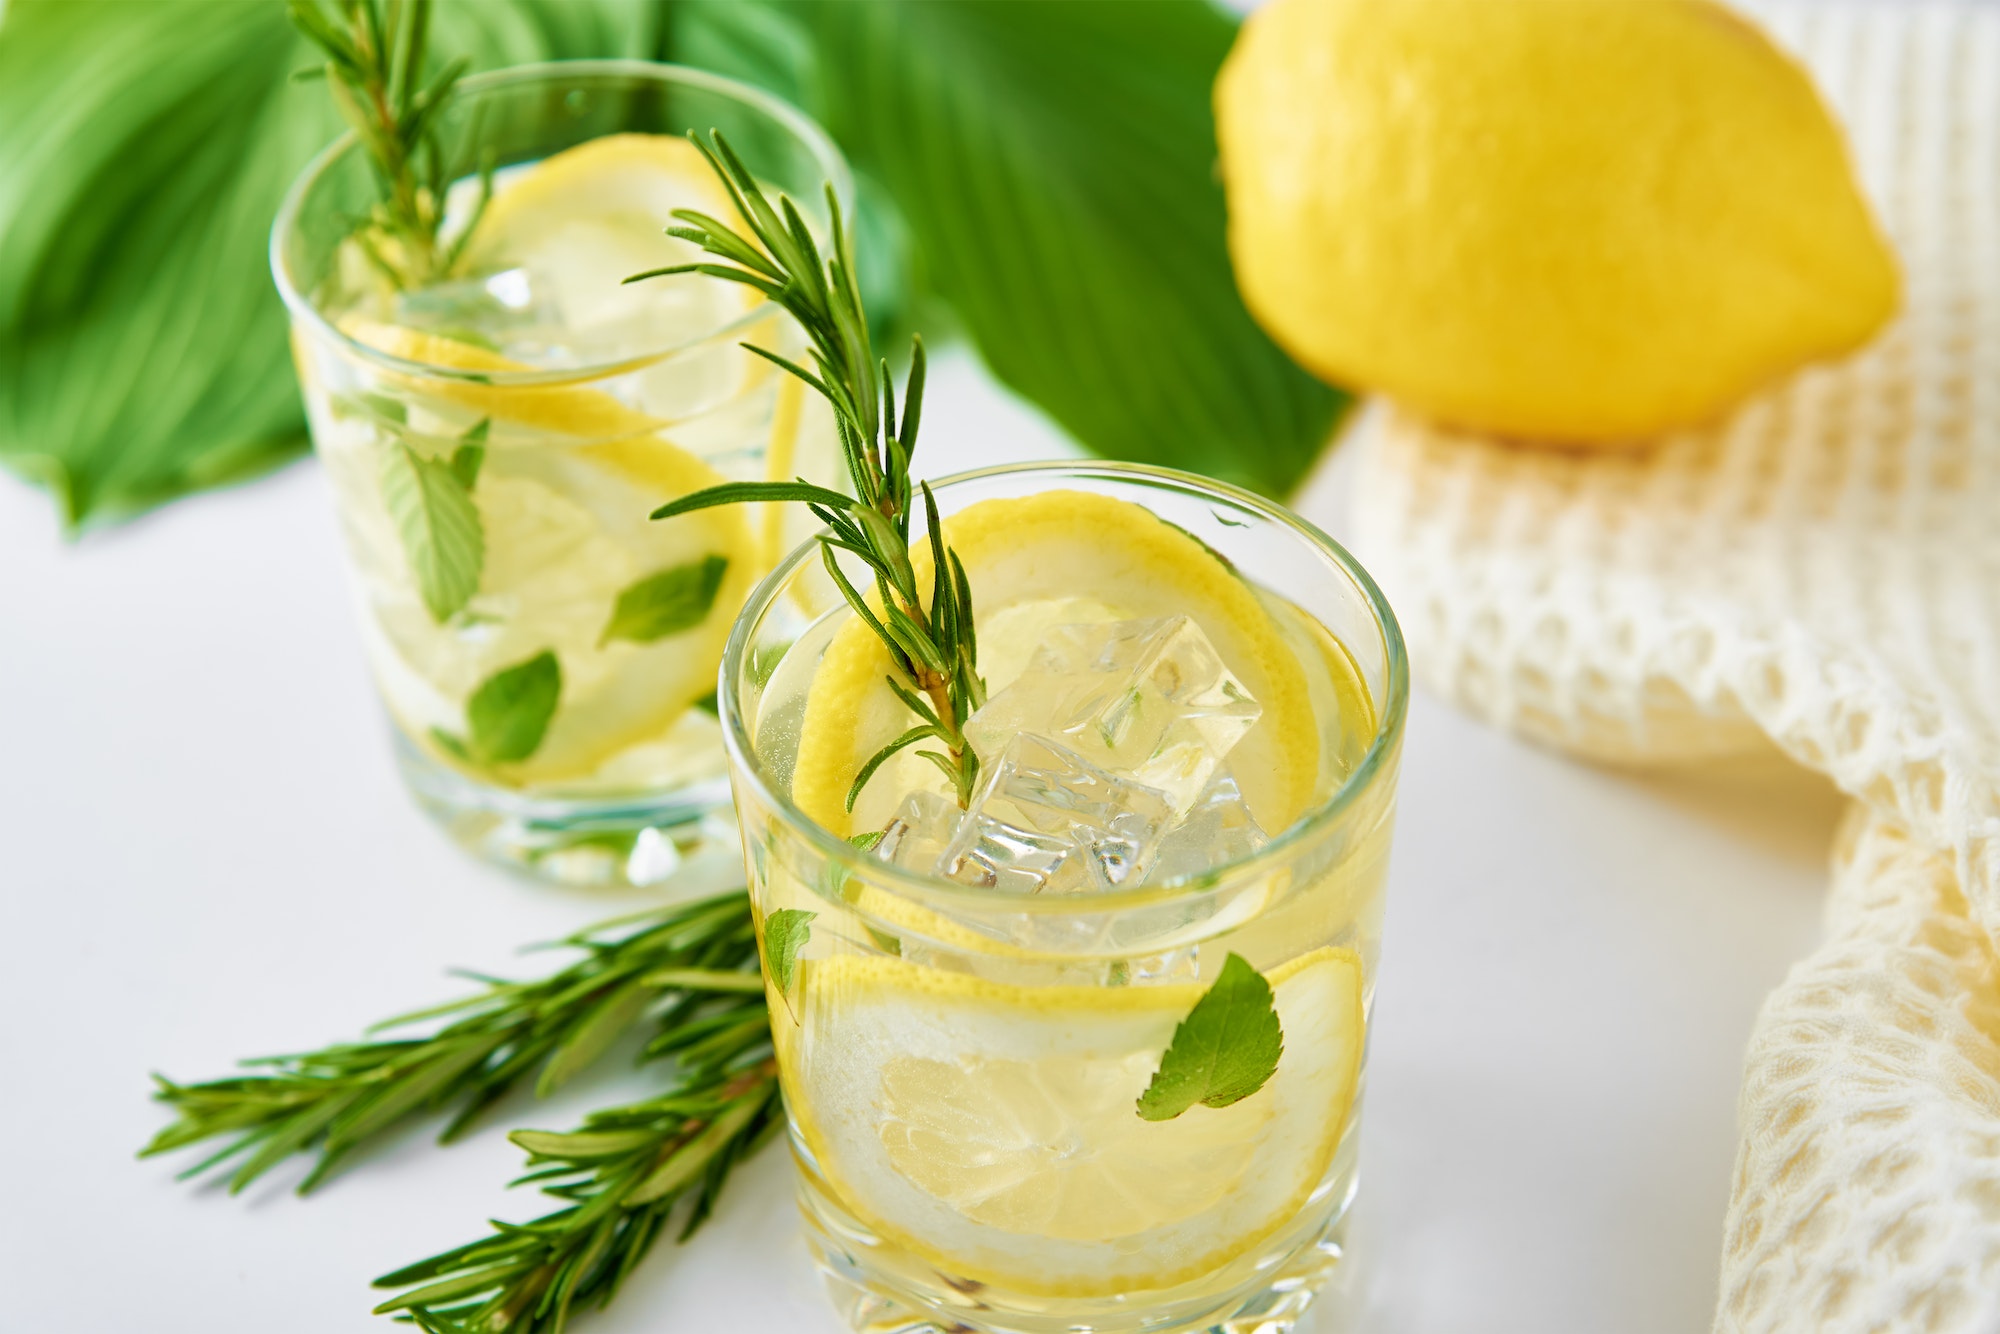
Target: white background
205, 854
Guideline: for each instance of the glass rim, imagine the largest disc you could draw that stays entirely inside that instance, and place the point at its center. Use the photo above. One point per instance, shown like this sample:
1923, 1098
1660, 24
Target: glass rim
1392, 711
809, 131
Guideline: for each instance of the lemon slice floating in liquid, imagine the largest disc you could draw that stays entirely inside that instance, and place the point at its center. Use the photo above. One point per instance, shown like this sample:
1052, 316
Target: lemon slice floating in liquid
991, 1128
582, 221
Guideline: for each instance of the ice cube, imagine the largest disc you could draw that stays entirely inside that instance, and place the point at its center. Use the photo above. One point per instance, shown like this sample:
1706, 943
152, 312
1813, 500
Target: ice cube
1151, 701
1044, 818
1217, 829
919, 832
989, 853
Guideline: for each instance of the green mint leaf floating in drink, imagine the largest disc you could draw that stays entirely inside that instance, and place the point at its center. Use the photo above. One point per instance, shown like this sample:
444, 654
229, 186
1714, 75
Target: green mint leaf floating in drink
431, 505
1223, 1052
467, 459
509, 713
785, 932
666, 603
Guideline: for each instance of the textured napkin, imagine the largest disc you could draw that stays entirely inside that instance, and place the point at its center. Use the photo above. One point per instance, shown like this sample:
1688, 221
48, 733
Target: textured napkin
1822, 572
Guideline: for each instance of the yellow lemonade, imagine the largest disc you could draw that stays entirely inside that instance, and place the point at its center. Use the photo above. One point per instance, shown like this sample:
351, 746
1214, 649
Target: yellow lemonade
1187, 743
497, 439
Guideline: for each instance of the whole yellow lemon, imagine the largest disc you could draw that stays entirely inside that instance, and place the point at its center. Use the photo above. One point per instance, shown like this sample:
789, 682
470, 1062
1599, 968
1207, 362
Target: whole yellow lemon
1573, 220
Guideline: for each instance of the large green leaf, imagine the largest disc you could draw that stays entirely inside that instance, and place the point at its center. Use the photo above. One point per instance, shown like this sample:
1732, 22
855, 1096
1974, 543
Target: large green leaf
1050, 167
1054, 164
144, 147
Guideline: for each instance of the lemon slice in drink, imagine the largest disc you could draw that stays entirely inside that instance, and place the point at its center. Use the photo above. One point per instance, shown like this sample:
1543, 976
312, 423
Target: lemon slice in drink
570, 410
992, 1129
1034, 562
584, 220
570, 229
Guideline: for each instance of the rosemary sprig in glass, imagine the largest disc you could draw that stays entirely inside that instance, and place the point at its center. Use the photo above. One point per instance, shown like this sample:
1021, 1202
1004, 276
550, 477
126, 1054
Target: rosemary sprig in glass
690, 969
932, 645
375, 58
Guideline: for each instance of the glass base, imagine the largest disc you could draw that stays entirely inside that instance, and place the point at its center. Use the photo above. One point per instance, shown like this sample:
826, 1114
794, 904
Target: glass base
1282, 1280
605, 842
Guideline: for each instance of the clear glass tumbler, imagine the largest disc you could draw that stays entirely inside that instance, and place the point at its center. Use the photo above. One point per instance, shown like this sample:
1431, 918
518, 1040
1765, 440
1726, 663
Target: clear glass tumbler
496, 439
961, 1065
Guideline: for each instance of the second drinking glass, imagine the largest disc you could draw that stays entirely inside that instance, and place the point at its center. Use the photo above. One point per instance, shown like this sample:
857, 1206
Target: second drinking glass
497, 434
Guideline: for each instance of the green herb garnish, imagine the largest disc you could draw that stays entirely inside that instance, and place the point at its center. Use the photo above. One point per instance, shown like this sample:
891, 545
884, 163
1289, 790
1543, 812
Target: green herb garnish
932, 645
1225, 1049
785, 933
666, 603
375, 58
509, 714
682, 968
621, 1175
430, 502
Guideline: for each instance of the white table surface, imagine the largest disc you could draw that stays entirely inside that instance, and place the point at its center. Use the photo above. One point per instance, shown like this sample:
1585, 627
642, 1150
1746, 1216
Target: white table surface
205, 855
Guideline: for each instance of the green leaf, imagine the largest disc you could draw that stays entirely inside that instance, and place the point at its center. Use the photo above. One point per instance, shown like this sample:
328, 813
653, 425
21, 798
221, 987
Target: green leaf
437, 523
470, 455
581, 1143
785, 932
509, 713
875, 761
587, 1041
735, 493
1053, 164
1223, 1052
666, 603
144, 148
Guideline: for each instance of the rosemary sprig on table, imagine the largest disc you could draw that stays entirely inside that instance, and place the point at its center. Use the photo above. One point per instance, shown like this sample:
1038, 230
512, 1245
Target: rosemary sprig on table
933, 646
691, 969
622, 1175
375, 57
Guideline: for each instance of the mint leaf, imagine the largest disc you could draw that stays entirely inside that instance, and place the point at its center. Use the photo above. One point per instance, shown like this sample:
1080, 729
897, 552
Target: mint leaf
438, 525
1223, 1052
509, 713
666, 603
470, 454
836, 883
785, 932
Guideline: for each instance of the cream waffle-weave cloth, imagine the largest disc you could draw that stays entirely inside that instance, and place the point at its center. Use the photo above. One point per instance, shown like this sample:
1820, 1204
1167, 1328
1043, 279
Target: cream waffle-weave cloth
1822, 572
